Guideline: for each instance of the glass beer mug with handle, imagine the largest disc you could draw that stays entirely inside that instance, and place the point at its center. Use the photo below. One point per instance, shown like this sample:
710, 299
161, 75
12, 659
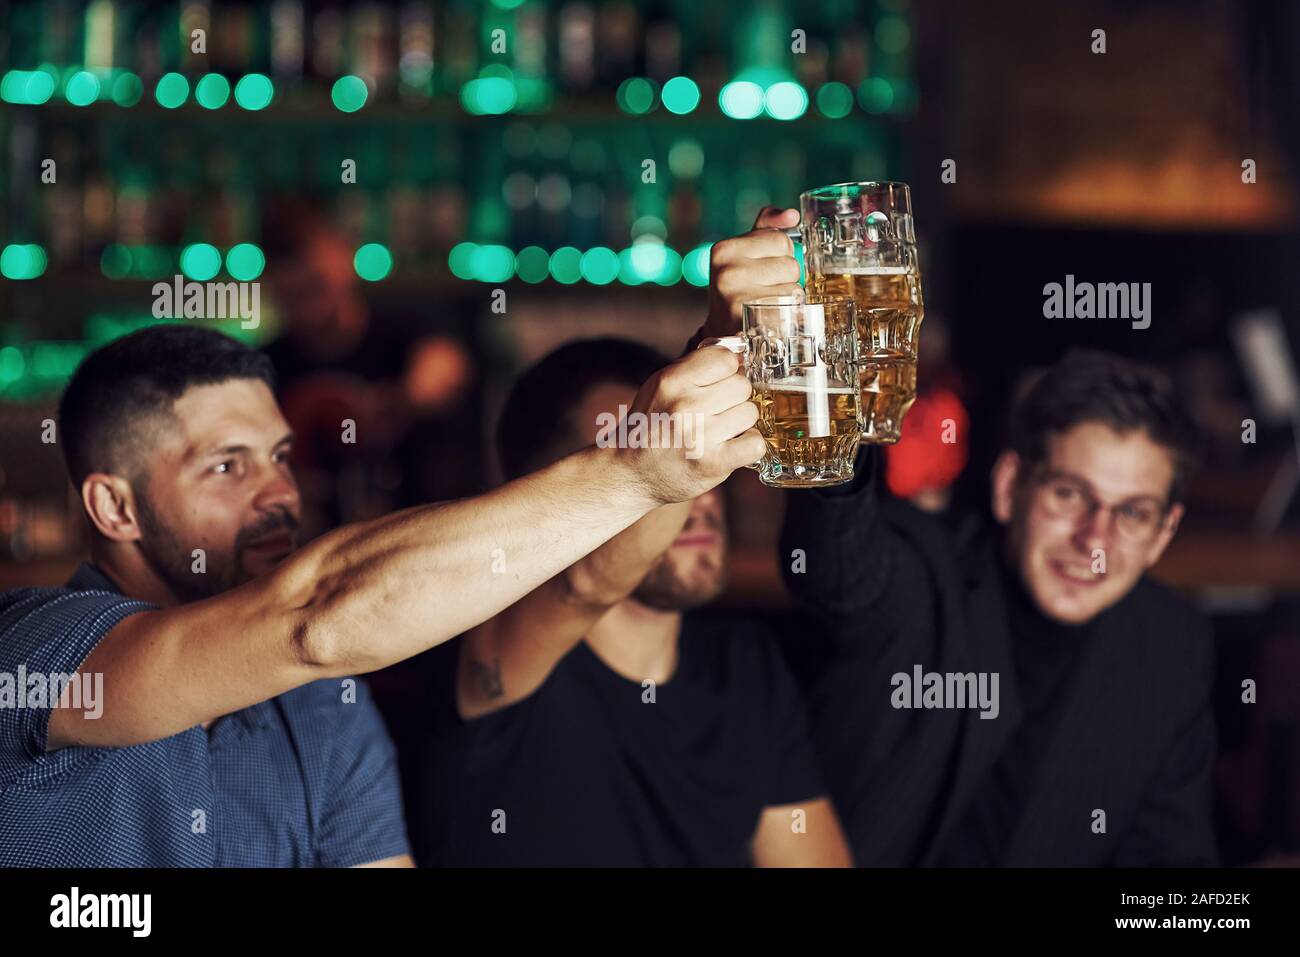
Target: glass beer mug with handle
859, 241
801, 354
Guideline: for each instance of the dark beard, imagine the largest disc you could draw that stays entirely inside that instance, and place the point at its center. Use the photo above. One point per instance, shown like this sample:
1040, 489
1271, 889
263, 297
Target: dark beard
171, 561
662, 590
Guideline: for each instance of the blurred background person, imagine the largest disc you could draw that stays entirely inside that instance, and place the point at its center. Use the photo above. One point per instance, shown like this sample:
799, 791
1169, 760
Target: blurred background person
409, 390
1092, 739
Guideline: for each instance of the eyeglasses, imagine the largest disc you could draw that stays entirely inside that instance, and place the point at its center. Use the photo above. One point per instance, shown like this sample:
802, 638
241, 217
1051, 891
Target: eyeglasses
1135, 519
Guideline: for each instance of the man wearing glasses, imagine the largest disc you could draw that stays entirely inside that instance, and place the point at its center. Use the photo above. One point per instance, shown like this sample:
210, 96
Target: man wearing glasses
1099, 751
1013, 692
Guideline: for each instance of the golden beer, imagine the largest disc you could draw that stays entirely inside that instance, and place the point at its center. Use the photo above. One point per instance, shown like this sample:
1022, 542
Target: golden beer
860, 241
812, 432
889, 315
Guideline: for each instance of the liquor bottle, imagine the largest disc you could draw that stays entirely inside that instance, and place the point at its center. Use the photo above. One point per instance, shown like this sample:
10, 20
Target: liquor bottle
287, 40
415, 65
577, 47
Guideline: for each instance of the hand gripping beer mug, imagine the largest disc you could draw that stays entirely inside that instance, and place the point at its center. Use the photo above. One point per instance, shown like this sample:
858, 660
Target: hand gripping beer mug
801, 354
859, 242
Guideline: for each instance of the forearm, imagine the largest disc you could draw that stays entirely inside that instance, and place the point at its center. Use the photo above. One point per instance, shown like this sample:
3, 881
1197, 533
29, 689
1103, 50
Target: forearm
612, 572
355, 600
508, 658
377, 593
833, 546
820, 842
403, 860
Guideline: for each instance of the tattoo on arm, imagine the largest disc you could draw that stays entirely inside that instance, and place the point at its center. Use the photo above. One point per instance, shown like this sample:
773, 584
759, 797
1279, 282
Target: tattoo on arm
488, 677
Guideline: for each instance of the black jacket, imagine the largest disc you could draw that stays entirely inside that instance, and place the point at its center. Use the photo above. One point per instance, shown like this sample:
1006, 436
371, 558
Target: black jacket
890, 587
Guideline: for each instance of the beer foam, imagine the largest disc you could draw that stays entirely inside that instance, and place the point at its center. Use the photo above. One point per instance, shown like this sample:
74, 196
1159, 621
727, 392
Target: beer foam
834, 269
802, 387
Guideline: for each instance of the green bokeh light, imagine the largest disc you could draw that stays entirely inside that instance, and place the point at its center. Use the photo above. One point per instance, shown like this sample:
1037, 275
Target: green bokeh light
200, 261
876, 95
56, 360
636, 95
741, 100
785, 101
600, 265
670, 269
532, 264
649, 262
469, 98
25, 87
459, 259
254, 91
492, 263
82, 88
212, 91
115, 261
245, 262
629, 273
349, 93
13, 86
491, 95
22, 261
566, 265
681, 95
172, 90
373, 262
12, 364
40, 87
695, 265
835, 100
126, 89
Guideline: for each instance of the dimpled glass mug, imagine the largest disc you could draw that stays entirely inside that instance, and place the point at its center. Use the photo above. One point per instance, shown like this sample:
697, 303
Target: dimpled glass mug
859, 241
801, 355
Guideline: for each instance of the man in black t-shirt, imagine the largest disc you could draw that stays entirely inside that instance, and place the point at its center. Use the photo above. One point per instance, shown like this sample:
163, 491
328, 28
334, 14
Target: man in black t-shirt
598, 722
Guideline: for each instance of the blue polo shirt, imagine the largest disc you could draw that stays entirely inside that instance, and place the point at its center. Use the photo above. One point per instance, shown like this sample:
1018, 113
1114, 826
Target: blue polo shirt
306, 779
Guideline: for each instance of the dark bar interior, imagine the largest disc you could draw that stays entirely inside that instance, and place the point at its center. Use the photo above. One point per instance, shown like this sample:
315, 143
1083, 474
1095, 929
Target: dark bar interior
430, 197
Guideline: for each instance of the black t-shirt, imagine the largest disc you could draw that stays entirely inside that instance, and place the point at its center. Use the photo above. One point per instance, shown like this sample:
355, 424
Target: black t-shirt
1045, 652
587, 772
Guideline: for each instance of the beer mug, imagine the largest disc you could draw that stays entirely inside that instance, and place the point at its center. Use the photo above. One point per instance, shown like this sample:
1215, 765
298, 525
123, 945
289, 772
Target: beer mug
859, 242
801, 354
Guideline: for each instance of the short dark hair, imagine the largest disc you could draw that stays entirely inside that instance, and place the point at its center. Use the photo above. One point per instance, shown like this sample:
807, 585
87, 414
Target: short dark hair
537, 416
139, 376
1091, 386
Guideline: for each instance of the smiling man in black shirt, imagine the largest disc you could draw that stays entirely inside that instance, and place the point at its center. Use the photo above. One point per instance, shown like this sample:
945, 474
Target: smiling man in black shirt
601, 721
1102, 746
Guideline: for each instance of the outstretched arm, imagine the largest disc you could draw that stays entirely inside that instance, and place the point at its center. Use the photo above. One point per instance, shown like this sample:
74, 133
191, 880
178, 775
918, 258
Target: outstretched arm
506, 659
367, 595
